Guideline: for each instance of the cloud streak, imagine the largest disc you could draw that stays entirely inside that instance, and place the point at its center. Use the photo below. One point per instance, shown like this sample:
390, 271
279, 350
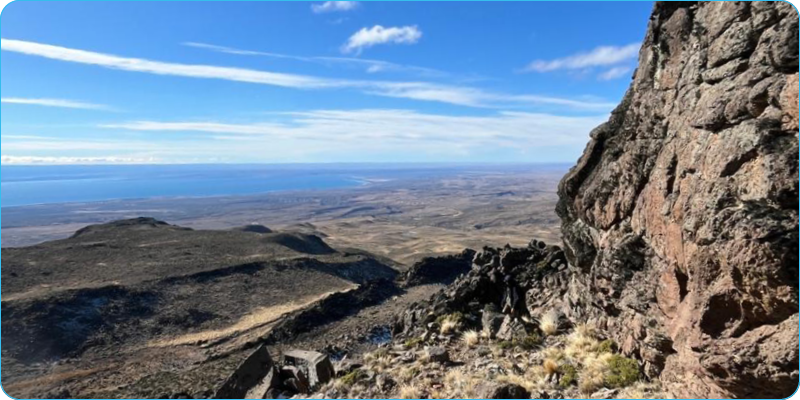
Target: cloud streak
377, 127
614, 73
457, 95
598, 57
61, 103
371, 66
368, 37
34, 160
334, 6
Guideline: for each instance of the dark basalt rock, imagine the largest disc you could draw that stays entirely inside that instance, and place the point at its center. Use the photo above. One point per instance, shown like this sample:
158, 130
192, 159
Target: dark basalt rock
439, 269
681, 217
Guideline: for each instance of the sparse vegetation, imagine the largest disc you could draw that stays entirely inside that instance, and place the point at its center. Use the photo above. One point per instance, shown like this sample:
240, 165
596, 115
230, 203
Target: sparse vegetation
471, 338
413, 342
448, 326
548, 324
351, 378
410, 392
505, 344
569, 376
622, 371
607, 346
530, 342
550, 367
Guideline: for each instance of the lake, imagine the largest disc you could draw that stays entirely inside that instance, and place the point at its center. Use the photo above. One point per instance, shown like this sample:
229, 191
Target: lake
29, 185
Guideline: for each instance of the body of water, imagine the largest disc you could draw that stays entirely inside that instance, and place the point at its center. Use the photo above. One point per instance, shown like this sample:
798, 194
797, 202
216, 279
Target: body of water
27, 185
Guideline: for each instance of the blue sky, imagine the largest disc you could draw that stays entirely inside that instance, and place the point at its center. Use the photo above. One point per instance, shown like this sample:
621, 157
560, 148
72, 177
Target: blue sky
273, 82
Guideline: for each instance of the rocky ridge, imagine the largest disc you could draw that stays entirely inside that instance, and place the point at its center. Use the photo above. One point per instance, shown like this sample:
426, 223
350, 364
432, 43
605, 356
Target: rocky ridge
682, 213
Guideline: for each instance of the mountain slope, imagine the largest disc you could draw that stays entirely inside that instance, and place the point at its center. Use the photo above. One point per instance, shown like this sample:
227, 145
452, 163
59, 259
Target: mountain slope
135, 299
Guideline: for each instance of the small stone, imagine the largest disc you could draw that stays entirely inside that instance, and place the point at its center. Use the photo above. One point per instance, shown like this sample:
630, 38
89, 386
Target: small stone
438, 354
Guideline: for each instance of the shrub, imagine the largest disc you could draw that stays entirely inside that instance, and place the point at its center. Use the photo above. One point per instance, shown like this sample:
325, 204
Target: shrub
530, 342
569, 375
352, 377
622, 371
505, 344
412, 342
607, 346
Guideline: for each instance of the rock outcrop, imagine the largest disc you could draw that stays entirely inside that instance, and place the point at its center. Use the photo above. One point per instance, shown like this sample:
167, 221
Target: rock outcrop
680, 220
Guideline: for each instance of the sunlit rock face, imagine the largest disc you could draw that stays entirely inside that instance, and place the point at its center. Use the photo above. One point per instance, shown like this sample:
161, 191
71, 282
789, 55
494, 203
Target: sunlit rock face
680, 220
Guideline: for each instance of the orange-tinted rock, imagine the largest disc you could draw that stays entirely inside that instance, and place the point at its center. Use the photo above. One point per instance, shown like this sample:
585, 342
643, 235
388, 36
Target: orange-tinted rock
681, 217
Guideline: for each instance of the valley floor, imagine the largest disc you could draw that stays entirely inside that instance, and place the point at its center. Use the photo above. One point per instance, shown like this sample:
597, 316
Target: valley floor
404, 220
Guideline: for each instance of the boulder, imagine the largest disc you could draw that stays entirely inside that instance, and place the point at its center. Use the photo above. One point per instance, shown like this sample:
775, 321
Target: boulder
316, 367
442, 270
438, 354
491, 321
294, 379
494, 390
252, 378
512, 329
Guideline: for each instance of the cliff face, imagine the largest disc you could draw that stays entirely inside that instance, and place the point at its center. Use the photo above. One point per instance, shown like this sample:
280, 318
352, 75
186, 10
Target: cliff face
680, 220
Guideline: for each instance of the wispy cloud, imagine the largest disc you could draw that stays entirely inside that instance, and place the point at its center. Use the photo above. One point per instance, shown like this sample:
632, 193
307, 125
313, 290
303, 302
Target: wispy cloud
372, 127
55, 103
614, 73
598, 57
333, 6
458, 95
319, 136
32, 160
371, 66
368, 37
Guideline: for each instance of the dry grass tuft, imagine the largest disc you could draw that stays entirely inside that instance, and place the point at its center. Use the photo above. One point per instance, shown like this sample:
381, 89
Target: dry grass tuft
409, 392
593, 374
643, 390
550, 367
448, 326
460, 385
471, 338
549, 324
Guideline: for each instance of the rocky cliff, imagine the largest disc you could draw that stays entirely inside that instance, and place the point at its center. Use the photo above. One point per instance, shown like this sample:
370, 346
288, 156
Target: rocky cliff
680, 220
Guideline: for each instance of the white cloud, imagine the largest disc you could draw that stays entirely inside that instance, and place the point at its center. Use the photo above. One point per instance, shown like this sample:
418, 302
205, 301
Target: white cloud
378, 127
55, 103
614, 73
459, 95
31, 160
368, 37
600, 56
370, 66
162, 68
333, 6
320, 136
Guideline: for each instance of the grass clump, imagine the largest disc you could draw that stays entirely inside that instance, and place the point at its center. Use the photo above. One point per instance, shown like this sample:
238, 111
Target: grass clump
456, 317
410, 392
607, 346
352, 378
505, 344
449, 323
413, 342
569, 376
622, 371
548, 324
530, 342
471, 338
